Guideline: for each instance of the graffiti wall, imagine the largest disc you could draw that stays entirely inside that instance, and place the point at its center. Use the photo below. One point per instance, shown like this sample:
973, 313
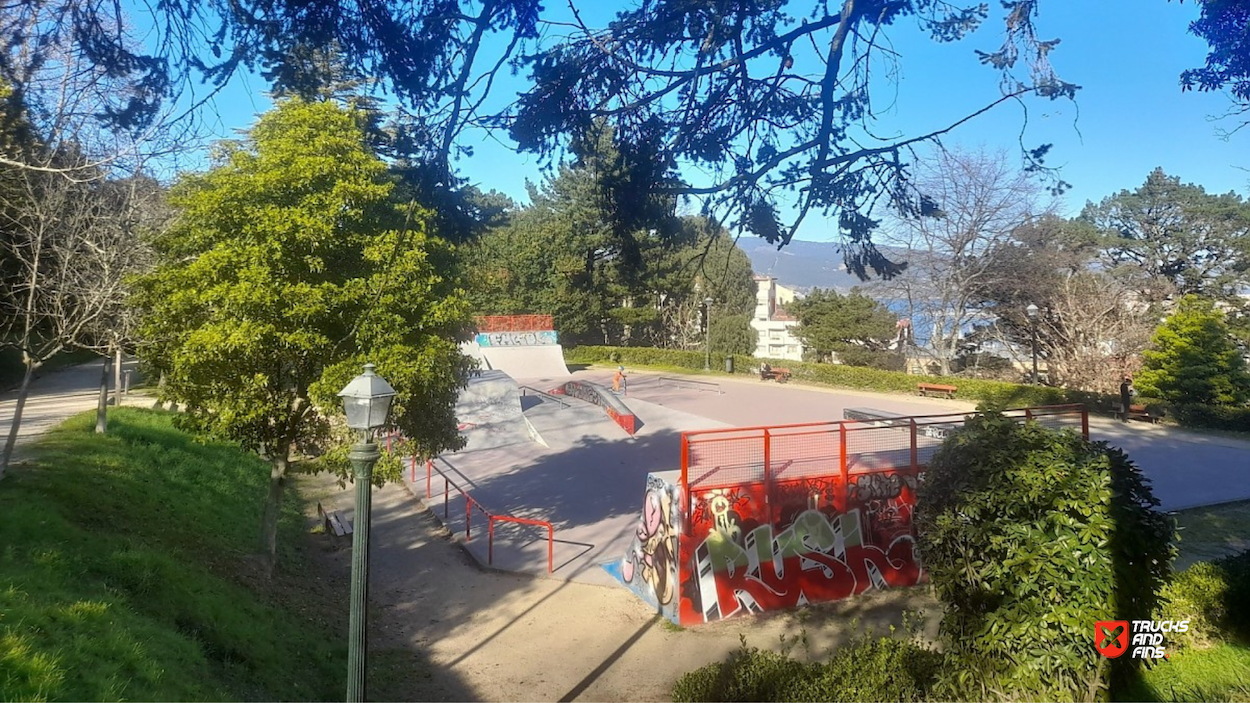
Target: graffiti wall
757, 547
649, 566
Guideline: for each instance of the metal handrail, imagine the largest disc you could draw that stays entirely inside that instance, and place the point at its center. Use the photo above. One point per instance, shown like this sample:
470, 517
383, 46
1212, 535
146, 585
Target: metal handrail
695, 381
546, 395
470, 502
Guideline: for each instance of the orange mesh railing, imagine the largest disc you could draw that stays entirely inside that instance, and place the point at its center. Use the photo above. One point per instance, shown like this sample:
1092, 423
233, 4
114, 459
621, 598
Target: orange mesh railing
514, 323
722, 458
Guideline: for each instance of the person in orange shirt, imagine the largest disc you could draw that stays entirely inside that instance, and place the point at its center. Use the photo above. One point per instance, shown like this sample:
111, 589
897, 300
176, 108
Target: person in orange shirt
618, 381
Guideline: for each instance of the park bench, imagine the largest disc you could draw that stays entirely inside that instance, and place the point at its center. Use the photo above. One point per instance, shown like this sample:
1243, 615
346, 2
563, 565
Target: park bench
926, 388
1136, 412
334, 523
779, 375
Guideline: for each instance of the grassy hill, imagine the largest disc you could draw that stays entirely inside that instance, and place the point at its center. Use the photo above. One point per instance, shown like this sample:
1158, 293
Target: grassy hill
125, 575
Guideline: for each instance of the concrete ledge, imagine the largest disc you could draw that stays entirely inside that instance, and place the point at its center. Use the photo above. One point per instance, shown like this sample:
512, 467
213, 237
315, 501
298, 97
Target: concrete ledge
604, 398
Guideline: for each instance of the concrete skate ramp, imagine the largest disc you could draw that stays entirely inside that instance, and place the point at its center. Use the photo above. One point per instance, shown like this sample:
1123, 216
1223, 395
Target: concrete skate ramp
541, 362
489, 412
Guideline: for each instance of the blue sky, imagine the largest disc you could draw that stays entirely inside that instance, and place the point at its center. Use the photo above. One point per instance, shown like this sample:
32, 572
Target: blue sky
1130, 115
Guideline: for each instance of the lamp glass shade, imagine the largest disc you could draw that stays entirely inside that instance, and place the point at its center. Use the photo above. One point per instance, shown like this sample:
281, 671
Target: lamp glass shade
367, 400
1031, 310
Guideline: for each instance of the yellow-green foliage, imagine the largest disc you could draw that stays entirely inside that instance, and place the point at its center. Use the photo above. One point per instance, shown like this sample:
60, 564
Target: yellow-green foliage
292, 263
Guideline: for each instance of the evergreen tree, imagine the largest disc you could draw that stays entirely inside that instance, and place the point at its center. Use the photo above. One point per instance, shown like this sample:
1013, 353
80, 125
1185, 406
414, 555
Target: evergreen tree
291, 265
1193, 358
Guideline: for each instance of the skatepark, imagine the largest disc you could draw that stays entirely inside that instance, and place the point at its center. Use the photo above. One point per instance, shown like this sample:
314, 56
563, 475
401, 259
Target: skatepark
552, 483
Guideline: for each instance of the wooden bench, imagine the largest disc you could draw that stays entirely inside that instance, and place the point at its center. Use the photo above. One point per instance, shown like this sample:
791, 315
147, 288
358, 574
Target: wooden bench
779, 375
1135, 412
334, 523
926, 388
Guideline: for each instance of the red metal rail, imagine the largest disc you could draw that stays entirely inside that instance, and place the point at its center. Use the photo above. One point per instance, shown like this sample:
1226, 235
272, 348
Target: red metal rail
751, 438
470, 502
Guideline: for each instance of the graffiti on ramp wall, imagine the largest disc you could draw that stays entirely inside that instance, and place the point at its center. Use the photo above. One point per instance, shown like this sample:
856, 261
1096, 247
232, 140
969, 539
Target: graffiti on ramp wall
649, 566
753, 547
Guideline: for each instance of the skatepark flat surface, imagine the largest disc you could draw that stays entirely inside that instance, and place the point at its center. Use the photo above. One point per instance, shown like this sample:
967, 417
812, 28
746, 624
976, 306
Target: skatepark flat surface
589, 480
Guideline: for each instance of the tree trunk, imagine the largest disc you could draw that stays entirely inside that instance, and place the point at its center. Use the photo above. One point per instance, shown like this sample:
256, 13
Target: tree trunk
272, 512
102, 407
117, 376
9, 443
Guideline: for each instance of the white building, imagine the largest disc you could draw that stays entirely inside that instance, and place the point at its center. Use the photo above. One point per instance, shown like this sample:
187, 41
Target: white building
773, 327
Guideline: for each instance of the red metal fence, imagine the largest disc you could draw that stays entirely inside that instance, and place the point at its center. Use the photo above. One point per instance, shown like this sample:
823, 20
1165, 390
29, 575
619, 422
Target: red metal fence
514, 323
722, 458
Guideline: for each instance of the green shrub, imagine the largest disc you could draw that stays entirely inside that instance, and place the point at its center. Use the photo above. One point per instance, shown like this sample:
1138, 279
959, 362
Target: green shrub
1216, 417
1214, 597
880, 669
1029, 536
867, 669
749, 674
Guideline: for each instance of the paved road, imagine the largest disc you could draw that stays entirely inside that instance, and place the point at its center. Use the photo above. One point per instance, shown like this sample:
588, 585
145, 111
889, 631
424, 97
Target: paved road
53, 398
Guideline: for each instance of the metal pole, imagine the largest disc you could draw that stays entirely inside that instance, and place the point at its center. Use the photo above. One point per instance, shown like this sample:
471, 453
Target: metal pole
363, 456
707, 338
1035, 352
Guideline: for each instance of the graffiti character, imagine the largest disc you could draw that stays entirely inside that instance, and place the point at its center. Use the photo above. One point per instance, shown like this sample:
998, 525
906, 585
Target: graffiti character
653, 553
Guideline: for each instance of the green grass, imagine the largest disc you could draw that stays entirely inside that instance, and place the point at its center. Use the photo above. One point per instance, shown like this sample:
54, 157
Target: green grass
1220, 673
125, 574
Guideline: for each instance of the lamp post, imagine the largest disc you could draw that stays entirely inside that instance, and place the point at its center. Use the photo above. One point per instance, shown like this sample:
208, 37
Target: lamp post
1031, 310
707, 335
367, 402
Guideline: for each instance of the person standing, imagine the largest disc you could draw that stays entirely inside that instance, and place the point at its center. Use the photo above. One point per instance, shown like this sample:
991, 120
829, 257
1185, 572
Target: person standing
618, 381
1126, 397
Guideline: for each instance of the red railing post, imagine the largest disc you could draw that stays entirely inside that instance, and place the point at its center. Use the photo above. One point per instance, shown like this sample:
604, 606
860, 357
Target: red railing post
490, 540
844, 470
768, 474
915, 454
551, 551
412, 469
468, 515
446, 500
429, 469
1085, 421
685, 479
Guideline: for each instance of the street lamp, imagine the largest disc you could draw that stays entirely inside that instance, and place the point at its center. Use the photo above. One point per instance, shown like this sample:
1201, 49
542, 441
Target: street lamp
707, 335
1032, 311
367, 402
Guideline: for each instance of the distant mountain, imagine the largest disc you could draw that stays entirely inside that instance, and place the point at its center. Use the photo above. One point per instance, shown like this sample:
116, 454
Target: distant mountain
802, 265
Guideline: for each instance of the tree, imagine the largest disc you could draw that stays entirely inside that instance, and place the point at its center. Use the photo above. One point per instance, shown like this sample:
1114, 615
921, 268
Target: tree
980, 201
772, 101
1193, 359
832, 324
663, 74
731, 334
1176, 232
290, 265
69, 247
1225, 25
1091, 326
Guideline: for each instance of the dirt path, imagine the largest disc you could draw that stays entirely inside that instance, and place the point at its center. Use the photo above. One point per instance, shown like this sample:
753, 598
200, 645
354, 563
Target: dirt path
495, 636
